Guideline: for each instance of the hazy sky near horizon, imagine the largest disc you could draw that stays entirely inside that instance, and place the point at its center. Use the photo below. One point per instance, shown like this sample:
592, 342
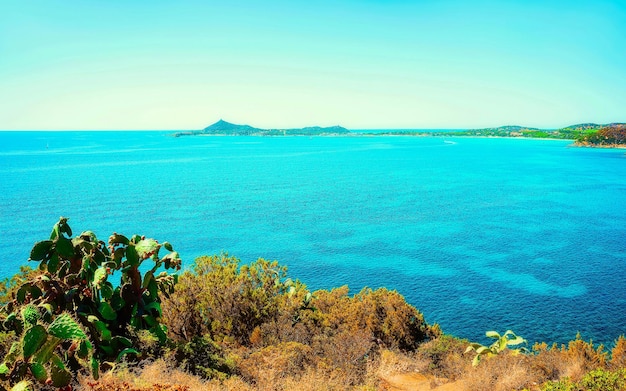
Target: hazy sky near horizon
139, 64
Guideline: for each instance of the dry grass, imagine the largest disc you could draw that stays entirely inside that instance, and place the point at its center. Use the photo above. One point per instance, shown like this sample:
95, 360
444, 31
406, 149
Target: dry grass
159, 376
292, 366
392, 362
504, 372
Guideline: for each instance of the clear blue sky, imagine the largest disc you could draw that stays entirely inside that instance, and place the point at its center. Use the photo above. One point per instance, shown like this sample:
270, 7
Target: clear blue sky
156, 64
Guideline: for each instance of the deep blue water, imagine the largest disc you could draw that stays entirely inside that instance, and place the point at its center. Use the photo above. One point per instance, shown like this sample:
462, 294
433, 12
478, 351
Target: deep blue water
478, 234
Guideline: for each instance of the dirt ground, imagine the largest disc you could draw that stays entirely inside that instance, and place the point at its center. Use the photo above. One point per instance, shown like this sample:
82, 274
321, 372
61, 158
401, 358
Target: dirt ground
418, 382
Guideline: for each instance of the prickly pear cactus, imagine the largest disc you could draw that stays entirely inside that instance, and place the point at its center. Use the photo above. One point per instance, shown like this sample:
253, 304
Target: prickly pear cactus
34, 355
76, 307
65, 327
30, 314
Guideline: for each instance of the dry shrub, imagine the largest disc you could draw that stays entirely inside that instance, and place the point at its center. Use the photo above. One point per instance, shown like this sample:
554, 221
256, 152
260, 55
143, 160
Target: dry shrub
270, 364
570, 361
445, 357
156, 375
581, 357
618, 353
393, 362
319, 379
504, 372
159, 376
384, 314
549, 362
224, 300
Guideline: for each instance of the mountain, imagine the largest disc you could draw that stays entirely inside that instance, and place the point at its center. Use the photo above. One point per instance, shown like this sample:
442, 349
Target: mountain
223, 128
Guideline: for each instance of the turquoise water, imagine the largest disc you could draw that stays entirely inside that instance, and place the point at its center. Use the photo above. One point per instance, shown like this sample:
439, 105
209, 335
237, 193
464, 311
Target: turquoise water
478, 234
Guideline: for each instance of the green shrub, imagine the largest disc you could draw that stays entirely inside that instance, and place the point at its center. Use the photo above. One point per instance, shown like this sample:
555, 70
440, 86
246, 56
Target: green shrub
224, 300
501, 343
561, 385
603, 380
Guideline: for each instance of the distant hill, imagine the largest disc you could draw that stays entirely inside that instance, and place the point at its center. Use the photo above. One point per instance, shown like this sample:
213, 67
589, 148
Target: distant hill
611, 135
572, 132
585, 134
223, 128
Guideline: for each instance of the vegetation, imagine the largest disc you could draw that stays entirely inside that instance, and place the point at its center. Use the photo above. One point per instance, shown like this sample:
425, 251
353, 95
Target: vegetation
573, 132
501, 343
611, 135
223, 128
224, 325
588, 134
72, 317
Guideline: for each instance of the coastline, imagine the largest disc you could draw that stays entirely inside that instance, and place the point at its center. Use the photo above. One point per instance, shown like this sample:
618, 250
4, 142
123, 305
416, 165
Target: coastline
603, 146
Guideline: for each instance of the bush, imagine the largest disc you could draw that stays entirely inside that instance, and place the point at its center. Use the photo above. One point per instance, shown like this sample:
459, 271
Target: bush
224, 300
603, 380
445, 356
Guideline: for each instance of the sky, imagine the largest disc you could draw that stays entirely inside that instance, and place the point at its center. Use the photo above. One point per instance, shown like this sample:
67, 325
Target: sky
362, 64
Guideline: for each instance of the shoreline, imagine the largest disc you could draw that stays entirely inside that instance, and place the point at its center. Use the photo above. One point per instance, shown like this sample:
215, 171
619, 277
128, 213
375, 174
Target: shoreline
602, 146
573, 144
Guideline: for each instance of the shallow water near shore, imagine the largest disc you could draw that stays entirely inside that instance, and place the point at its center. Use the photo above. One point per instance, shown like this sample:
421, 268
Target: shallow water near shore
478, 234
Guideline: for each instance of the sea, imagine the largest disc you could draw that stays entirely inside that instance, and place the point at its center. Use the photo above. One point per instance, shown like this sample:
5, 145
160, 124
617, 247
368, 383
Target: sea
477, 233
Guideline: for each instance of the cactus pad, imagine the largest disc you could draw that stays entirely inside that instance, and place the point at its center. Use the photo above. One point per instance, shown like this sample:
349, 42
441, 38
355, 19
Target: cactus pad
59, 374
33, 339
39, 372
30, 314
24, 385
65, 327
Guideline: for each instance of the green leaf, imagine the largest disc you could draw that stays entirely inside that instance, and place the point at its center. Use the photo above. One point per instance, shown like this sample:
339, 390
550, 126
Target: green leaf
118, 254
125, 352
84, 348
132, 258
61, 377
64, 247
117, 302
149, 276
65, 327
150, 320
89, 236
153, 288
4, 369
55, 232
168, 246
493, 334
502, 345
120, 341
106, 349
43, 355
153, 306
160, 331
106, 290
516, 341
65, 228
34, 291
105, 333
118, 239
99, 276
24, 385
146, 247
53, 264
38, 371
33, 339
40, 250
107, 311
95, 368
